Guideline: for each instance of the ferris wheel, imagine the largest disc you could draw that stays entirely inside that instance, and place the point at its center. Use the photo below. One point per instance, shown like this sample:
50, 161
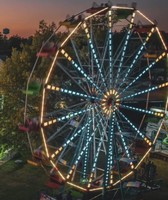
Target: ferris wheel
106, 73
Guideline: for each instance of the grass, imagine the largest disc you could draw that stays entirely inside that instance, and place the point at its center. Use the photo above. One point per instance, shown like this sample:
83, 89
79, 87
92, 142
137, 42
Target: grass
21, 181
25, 182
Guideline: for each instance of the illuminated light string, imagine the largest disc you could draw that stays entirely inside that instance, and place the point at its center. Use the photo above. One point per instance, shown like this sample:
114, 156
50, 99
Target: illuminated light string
76, 186
86, 155
44, 140
71, 171
161, 38
81, 153
66, 91
60, 174
110, 152
113, 96
158, 114
72, 32
104, 124
146, 91
96, 13
145, 17
137, 55
136, 129
72, 138
144, 71
80, 69
95, 161
87, 143
68, 116
123, 141
110, 46
94, 53
125, 47
122, 8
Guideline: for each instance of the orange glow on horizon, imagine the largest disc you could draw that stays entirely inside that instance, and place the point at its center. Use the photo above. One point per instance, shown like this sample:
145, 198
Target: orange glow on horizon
23, 17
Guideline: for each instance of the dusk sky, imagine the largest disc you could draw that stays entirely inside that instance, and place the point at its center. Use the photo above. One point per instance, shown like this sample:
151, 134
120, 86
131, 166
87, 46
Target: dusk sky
22, 16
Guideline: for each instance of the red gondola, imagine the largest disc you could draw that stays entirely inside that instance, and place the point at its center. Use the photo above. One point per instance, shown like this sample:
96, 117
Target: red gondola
56, 178
55, 181
48, 50
29, 125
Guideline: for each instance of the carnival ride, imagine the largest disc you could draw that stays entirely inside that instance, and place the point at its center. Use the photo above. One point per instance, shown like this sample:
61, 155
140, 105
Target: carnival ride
98, 94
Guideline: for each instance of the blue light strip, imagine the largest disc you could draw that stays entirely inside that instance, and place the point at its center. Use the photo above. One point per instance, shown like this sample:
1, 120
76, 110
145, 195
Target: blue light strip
95, 160
86, 154
132, 125
97, 153
143, 110
86, 145
144, 91
94, 53
110, 151
73, 136
66, 91
80, 70
143, 72
77, 134
71, 115
110, 47
77, 94
125, 47
137, 55
123, 142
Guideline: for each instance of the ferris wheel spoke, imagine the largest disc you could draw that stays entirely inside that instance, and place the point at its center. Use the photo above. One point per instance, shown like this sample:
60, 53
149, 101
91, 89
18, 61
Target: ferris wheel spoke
128, 35
123, 140
108, 176
143, 72
70, 92
72, 78
86, 153
76, 52
104, 124
110, 48
95, 56
98, 143
146, 91
136, 129
145, 111
70, 109
72, 137
91, 177
68, 116
90, 80
79, 61
137, 56
76, 161
125, 145
106, 74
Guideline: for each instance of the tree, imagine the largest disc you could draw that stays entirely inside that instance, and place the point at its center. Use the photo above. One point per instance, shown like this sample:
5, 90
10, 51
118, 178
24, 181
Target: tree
14, 74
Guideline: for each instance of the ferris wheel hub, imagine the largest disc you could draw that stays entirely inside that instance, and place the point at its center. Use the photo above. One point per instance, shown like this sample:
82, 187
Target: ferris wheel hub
110, 101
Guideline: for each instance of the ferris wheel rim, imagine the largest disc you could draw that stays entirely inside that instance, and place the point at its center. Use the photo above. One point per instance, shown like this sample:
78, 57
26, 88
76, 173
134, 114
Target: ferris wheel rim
111, 94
